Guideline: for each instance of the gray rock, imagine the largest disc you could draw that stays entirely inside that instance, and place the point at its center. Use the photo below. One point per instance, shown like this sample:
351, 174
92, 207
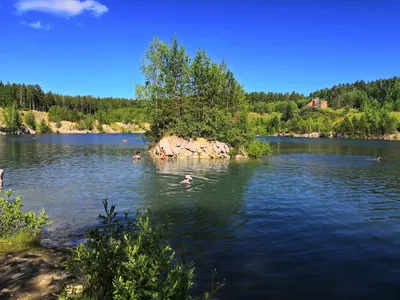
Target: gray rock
18, 275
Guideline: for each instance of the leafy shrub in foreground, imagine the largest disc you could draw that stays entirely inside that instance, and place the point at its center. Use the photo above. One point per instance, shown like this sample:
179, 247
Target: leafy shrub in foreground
129, 259
13, 221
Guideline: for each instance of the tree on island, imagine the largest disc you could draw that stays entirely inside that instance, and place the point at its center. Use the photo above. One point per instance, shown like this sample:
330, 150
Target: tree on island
193, 97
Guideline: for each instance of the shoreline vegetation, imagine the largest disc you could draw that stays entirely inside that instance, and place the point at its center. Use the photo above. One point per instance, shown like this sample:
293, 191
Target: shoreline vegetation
122, 258
36, 122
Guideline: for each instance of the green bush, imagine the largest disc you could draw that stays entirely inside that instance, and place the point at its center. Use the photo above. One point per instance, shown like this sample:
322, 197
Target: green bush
100, 127
12, 118
257, 148
86, 124
129, 259
30, 120
44, 127
13, 221
62, 114
233, 152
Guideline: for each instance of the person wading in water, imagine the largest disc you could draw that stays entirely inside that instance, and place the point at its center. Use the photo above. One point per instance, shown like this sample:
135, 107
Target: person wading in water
137, 156
187, 179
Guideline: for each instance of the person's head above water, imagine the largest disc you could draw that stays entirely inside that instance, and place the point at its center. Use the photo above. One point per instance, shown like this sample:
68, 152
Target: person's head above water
187, 179
379, 158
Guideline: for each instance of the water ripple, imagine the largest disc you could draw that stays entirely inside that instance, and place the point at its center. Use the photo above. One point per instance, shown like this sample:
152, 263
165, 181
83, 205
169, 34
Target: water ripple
318, 220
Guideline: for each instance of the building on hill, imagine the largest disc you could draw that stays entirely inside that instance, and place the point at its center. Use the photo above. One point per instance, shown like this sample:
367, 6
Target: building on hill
318, 103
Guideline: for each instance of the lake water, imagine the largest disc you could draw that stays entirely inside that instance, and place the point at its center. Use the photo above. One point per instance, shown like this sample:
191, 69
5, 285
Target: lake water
319, 220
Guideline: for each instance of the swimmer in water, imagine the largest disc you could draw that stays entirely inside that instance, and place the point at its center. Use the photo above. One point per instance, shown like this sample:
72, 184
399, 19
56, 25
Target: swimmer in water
187, 179
137, 156
379, 158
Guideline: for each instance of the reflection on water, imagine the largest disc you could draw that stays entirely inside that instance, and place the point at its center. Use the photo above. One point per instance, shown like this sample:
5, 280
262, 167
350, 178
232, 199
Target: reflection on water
320, 220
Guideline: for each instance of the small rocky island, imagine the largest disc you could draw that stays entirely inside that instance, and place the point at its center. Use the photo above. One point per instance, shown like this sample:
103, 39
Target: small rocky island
177, 147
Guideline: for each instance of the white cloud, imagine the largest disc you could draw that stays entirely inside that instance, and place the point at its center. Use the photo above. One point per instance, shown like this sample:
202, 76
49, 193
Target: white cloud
37, 25
62, 7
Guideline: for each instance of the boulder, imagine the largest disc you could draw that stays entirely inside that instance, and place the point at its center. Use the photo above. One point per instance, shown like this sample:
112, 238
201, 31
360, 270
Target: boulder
164, 145
190, 146
184, 148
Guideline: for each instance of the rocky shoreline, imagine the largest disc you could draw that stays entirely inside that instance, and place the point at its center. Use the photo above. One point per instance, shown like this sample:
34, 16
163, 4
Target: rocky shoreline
176, 147
37, 273
387, 137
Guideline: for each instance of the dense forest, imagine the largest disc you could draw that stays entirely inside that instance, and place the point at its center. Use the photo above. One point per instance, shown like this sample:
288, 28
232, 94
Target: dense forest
359, 110
71, 108
196, 96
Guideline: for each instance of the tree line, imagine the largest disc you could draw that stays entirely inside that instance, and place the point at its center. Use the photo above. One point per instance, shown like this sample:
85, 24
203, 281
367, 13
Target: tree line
198, 97
342, 123
360, 95
361, 109
72, 108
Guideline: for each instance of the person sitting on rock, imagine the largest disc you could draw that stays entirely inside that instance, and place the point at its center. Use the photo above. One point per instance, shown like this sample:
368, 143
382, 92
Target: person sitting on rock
137, 156
187, 179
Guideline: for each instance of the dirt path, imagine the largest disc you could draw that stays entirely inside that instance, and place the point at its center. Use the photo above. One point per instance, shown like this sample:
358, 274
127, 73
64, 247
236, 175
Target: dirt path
37, 274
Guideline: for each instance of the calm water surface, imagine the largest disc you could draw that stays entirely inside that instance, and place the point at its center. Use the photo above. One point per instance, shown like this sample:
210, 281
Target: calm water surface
319, 220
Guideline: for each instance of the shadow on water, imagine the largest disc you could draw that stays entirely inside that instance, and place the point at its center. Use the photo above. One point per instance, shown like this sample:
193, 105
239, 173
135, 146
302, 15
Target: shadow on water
205, 216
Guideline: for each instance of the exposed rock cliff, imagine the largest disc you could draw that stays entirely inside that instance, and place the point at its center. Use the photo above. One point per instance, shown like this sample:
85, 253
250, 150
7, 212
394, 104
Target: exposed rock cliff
177, 147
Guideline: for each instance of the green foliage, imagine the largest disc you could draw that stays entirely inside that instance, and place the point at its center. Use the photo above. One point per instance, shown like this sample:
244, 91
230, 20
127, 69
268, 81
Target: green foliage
22, 241
30, 120
361, 94
257, 148
100, 127
85, 124
192, 97
44, 127
375, 123
125, 115
127, 258
12, 118
254, 98
13, 221
376, 99
57, 114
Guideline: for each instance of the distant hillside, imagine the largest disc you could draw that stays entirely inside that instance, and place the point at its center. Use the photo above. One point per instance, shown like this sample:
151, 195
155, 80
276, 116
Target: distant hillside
72, 127
362, 95
357, 110
359, 95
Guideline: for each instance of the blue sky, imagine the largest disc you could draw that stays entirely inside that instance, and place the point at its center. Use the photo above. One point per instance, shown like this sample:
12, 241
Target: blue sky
94, 48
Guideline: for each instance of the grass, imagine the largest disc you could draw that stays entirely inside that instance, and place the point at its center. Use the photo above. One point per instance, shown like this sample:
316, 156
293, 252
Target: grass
23, 241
